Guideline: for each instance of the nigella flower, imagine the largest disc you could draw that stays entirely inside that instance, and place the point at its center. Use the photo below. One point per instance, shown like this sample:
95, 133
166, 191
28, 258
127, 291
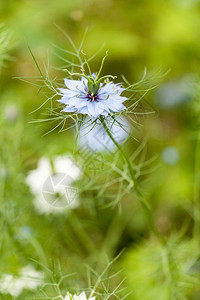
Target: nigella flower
96, 138
78, 97
53, 189
92, 95
28, 278
82, 296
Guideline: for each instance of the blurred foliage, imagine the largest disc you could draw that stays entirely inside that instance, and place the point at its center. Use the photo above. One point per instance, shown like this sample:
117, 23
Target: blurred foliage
137, 34
172, 272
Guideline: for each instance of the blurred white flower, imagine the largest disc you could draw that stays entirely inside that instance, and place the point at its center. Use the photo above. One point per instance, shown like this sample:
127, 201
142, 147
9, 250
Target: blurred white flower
28, 278
170, 155
53, 186
96, 138
11, 112
82, 296
3, 172
36, 178
10, 285
176, 93
31, 278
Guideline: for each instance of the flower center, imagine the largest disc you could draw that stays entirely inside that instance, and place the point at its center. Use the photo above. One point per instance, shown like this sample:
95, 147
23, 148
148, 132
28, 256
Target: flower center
92, 97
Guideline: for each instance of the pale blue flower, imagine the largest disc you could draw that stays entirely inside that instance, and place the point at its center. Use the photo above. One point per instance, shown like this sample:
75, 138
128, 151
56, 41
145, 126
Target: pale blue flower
170, 155
176, 93
89, 96
95, 138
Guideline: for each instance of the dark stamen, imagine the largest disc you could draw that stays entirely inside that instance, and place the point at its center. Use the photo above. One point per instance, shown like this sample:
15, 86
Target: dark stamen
92, 97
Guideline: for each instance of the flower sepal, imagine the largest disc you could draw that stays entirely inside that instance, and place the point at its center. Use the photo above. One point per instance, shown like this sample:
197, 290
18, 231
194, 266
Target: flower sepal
93, 86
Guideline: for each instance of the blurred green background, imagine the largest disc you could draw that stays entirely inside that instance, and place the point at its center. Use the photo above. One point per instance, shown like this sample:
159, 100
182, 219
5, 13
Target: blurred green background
137, 34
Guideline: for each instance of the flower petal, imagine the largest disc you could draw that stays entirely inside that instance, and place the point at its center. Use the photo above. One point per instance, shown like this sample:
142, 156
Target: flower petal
75, 85
78, 102
69, 109
116, 107
94, 109
68, 93
64, 100
111, 88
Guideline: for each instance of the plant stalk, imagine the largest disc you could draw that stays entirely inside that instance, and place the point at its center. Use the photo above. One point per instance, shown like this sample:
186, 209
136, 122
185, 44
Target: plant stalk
145, 205
196, 187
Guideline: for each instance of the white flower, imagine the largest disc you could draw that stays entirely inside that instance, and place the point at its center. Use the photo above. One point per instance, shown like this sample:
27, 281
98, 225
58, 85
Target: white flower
28, 278
82, 296
31, 278
11, 112
36, 178
53, 189
10, 285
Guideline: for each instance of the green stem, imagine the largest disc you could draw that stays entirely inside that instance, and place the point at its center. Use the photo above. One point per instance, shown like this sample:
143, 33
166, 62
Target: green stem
81, 233
102, 63
196, 200
146, 207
